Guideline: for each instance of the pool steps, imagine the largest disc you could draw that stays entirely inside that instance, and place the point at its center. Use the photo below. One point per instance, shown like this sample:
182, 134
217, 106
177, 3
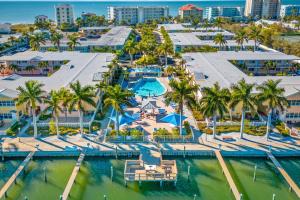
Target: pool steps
13, 178
72, 178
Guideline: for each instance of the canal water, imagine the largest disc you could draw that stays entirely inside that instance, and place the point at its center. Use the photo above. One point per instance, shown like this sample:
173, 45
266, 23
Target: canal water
94, 180
292, 167
268, 180
32, 183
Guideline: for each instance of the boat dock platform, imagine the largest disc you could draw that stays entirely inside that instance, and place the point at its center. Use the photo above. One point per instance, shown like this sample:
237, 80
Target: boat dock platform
227, 174
13, 178
72, 178
293, 186
150, 168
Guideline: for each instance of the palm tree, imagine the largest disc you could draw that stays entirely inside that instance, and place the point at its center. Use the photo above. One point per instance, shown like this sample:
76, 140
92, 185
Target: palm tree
182, 93
269, 65
214, 103
116, 96
271, 94
82, 95
242, 95
241, 37
130, 48
206, 24
56, 38
12, 40
65, 97
195, 22
255, 34
53, 103
219, 22
72, 43
13, 67
30, 96
165, 49
36, 40
220, 40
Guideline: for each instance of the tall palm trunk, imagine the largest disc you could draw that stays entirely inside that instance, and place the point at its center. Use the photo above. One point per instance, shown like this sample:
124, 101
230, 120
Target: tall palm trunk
56, 125
131, 59
81, 122
214, 125
34, 123
242, 124
269, 123
117, 122
166, 61
180, 120
254, 45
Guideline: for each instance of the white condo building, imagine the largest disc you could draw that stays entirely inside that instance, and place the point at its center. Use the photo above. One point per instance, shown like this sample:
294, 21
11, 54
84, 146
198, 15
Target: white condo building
64, 13
289, 10
137, 14
231, 12
262, 8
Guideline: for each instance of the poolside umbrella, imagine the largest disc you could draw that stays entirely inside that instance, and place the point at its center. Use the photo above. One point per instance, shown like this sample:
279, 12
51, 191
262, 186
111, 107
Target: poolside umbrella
173, 118
126, 118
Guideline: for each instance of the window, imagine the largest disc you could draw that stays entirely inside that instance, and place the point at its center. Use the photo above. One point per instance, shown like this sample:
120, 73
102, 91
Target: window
7, 103
5, 116
294, 102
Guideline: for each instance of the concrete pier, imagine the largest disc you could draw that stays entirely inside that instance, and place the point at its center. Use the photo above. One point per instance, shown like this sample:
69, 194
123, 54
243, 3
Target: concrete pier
285, 175
13, 178
72, 178
227, 174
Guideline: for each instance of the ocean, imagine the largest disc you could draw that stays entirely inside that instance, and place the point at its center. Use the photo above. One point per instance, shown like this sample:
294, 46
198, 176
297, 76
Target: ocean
25, 11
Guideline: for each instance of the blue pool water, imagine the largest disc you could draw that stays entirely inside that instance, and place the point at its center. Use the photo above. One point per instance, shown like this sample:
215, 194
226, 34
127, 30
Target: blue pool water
146, 70
149, 87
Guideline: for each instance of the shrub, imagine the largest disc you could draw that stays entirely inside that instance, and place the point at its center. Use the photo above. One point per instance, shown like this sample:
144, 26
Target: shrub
187, 127
198, 116
45, 116
161, 132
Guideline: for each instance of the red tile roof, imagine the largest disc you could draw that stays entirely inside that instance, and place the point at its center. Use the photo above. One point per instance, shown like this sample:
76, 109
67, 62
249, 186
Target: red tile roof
190, 7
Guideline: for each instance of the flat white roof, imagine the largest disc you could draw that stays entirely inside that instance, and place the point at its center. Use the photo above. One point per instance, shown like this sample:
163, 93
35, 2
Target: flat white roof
116, 36
81, 67
4, 37
191, 39
181, 27
210, 68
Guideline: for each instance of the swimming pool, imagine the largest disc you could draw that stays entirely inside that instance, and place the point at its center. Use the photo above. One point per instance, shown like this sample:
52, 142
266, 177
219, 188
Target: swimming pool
149, 87
146, 70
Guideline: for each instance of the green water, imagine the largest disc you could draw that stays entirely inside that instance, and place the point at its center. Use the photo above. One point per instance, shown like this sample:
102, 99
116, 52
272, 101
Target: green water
268, 180
207, 182
292, 167
32, 184
7, 168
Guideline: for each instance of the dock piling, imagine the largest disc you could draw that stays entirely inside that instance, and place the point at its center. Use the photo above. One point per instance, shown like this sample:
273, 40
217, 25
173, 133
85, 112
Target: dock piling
111, 173
116, 151
105, 197
195, 196
45, 174
274, 196
183, 151
189, 169
254, 174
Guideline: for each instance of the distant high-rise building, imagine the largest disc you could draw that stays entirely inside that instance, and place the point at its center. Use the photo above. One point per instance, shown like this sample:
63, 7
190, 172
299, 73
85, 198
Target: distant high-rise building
289, 10
137, 14
64, 14
231, 12
190, 10
262, 8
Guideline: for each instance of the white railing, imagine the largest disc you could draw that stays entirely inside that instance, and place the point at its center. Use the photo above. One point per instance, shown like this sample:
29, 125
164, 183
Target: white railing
253, 123
67, 124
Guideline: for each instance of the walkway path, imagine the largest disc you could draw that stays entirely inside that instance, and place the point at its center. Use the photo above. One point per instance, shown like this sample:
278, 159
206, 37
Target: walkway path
73, 177
288, 179
228, 175
13, 178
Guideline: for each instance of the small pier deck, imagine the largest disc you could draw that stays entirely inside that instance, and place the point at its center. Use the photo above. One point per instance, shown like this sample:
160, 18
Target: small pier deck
227, 174
13, 178
150, 167
285, 175
73, 177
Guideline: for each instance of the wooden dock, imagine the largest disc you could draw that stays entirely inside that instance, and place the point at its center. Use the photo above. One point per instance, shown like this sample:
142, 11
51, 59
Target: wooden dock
72, 178
285, 175
227, 174
13, 178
